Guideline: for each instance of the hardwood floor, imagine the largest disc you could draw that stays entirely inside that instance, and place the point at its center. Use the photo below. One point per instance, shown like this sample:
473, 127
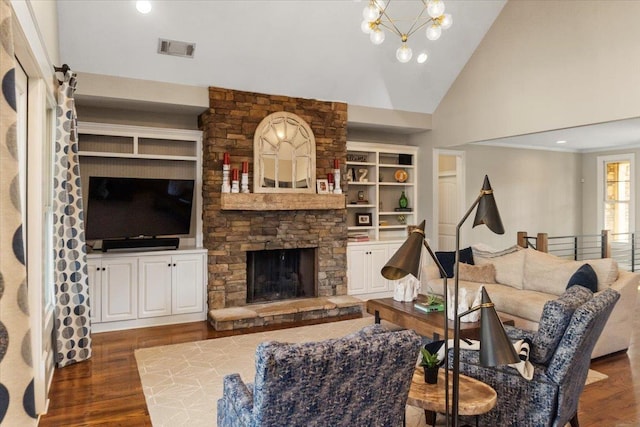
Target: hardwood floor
106, 390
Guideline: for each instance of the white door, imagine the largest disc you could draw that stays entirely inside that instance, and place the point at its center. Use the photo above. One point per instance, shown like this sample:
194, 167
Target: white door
94, 277
154, 286
119, 290
448, 209
187, 277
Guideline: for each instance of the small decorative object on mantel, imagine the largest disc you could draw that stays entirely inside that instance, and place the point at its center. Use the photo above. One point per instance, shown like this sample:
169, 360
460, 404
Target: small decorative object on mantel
336, 177
331, 182
362, 175
226, 165
322, 186
235, 181
244, 182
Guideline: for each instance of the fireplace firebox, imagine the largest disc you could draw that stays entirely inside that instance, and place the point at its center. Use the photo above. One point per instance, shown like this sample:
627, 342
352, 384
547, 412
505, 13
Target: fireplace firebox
281, 274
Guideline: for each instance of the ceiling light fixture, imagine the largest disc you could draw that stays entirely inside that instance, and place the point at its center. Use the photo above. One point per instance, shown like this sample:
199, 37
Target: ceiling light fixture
143, 6
376, 19
561, 142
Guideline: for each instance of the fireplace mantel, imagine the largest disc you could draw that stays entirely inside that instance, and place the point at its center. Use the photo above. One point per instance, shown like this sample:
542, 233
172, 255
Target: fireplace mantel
281, 201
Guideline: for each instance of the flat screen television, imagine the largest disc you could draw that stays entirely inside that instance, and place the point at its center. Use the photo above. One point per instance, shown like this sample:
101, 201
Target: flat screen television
120, 208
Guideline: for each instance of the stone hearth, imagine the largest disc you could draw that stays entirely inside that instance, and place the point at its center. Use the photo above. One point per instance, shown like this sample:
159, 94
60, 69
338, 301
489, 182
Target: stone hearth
229, 233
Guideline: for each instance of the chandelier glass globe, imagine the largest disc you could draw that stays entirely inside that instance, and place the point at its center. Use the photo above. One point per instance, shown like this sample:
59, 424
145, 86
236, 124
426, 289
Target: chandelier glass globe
434, 31
370, 13
435, 8
447, 21
404, 53
365, 26
376, 36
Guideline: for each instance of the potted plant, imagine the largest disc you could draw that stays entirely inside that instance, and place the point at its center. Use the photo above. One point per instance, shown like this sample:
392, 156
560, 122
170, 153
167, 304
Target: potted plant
429, 363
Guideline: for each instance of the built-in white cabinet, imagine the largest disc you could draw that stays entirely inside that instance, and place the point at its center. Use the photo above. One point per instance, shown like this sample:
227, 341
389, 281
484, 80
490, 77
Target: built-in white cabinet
112, 287
364, 261
129, 290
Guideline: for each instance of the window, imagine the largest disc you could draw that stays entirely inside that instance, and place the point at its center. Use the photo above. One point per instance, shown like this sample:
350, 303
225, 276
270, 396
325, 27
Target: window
616, 180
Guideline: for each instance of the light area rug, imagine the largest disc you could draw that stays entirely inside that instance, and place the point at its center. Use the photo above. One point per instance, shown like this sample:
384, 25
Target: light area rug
183, 382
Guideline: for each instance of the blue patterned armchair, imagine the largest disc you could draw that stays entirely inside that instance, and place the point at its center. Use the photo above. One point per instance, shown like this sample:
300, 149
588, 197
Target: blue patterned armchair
560, 354
362, 379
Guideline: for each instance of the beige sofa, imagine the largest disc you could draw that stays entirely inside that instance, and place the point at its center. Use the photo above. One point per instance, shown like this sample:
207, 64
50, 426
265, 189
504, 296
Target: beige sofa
520, 281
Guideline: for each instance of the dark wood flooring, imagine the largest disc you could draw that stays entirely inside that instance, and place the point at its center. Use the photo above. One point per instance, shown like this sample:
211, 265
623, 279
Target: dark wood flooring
106, 390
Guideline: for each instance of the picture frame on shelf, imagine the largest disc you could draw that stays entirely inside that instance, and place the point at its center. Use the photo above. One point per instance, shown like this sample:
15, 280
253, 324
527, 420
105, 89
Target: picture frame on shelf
363, 219
322, 186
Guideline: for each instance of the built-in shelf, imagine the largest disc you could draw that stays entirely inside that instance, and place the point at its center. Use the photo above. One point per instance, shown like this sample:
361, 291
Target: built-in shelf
281, 201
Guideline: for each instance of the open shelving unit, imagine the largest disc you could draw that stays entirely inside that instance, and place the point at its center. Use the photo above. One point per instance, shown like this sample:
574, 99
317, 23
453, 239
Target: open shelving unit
374, 191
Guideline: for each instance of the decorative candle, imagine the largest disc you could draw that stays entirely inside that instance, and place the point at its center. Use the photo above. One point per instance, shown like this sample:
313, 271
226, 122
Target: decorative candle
330, 178
225, 159
234, 174
245, 167
235, 184
336, 164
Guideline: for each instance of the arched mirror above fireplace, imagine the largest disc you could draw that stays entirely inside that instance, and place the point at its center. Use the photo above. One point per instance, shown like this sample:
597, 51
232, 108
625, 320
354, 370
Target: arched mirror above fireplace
284, 155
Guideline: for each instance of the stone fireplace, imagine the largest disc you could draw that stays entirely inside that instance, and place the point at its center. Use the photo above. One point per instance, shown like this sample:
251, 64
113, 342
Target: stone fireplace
231, 234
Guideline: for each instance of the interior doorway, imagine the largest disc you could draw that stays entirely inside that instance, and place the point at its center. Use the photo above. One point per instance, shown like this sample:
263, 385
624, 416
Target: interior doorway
449, 196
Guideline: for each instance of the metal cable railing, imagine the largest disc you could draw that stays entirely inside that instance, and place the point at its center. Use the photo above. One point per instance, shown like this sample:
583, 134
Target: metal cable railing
623, 247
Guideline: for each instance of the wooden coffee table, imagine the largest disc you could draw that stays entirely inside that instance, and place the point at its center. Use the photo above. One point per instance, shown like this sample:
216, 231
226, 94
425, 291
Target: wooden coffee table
475, 397
426, 324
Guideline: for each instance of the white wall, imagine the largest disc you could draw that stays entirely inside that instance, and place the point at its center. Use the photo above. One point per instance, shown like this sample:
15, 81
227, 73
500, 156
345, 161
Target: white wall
536, 191
545, 65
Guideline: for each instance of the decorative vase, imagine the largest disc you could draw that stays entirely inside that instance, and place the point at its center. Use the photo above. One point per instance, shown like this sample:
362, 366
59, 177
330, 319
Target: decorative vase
431, 374
403, 202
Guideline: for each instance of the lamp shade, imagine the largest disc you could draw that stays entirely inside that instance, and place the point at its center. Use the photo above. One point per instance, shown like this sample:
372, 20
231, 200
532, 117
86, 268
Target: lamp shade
406, 260
495, 347
487, 212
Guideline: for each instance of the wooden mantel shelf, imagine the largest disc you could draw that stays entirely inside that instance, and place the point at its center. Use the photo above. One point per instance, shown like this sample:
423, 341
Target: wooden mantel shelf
281, 201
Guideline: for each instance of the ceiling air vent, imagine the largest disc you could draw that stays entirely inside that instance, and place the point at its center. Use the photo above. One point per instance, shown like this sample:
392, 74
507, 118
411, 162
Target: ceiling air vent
176, 48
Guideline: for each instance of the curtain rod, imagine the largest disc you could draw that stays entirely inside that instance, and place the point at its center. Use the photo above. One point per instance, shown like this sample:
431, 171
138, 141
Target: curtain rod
64, 69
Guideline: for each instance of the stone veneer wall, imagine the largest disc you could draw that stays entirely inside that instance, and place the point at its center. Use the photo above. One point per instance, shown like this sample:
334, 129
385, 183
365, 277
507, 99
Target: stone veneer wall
229, 126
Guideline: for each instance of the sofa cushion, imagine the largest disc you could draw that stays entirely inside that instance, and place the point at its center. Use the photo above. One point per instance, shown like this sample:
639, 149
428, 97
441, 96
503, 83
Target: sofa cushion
516, 302
546, 273
478, 273
448, 259
584, 276
607, 271
555, 318
484, 251
509, 267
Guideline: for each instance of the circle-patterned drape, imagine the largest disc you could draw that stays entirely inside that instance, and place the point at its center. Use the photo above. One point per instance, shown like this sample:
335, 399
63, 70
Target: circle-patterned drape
72, 322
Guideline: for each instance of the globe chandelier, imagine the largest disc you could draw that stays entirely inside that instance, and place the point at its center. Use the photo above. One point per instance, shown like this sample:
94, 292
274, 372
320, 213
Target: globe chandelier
431, 16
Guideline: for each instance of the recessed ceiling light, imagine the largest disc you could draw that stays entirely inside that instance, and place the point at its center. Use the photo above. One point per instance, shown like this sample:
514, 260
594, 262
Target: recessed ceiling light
143, 6
422, 58
561, 142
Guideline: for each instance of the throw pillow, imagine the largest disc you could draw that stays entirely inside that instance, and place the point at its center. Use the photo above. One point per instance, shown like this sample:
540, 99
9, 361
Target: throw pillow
448, 259
554, 320
478, 273
584, 276
483, 251
509, 267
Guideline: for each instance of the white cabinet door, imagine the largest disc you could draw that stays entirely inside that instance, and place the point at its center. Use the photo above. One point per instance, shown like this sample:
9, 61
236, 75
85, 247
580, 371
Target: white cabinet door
377, 258
154, 285
119, 290
357, 269
95, 290
187, 278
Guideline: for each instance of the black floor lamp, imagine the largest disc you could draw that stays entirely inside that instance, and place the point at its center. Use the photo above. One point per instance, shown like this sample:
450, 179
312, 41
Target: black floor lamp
495, 346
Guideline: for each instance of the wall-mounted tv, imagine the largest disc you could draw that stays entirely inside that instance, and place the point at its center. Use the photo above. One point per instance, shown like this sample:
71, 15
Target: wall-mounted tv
138, 207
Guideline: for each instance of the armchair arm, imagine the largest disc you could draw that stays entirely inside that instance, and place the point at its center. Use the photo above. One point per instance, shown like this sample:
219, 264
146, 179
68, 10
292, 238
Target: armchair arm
515, 334
238, 399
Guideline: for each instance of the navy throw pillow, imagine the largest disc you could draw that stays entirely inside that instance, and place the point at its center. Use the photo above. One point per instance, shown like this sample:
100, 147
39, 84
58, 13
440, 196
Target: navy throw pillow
585, 276
448, 260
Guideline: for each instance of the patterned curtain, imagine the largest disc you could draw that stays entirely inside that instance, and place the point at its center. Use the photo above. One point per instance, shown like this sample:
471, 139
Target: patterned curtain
17, 405
72, 324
